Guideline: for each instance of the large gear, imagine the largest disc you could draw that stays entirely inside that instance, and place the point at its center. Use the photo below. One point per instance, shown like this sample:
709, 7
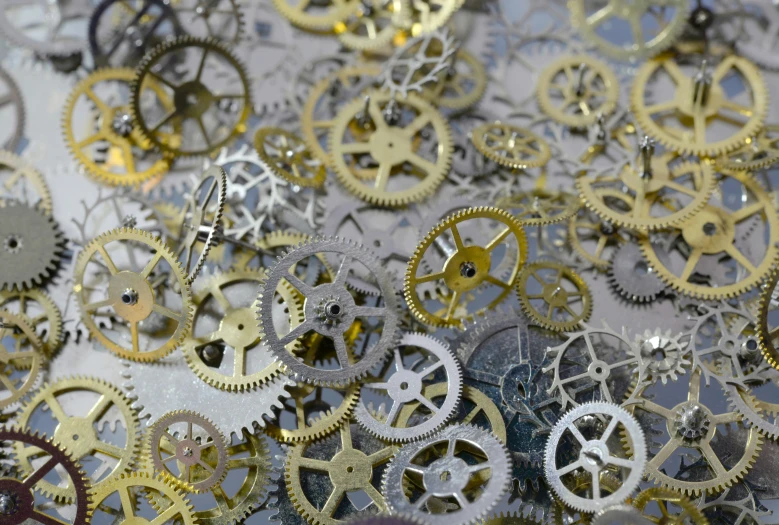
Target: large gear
553, 296
31, 247
632, 277
20, 365
511, 146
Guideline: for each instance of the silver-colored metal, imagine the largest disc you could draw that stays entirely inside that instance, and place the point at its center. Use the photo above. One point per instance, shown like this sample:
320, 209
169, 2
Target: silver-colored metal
759, 414
405, 384
423, 60
11, 104
620, 514
45, 27
728, 507
331, 309
662, 356
595, 455
759, 39
446, 475
632, 277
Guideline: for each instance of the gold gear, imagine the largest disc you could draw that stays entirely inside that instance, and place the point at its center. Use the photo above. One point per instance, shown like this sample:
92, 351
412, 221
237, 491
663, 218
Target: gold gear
767, 330
429, 15
391, 148
692, 425
237, 330
323, 17
466, 267
588, 21
192, 99
672, 195
462, 86
683, 512
289, 158
129, 296
133, 485
712, 231
80, 434
576, 90
124, 147
554, 296
760, 151
196, 447
696, 109
350, 469
540, 207
50, 317
375, 25
580, 484
26, 357
27, 177
511, 146
510, 518
585, 226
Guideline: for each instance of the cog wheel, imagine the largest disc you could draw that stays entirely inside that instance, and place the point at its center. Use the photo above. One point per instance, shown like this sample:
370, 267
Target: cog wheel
596, 240
424, 60
511, 146
40, 313
25, 507
31, 247
375, 25
510, 518
540, 207
288, 157
44, 28
79, 424
581, 485
109, 146
632, 277
590, 16
662, 356
727, 506
13, 97
430, 15
462, 85
317, 16
21, 365
620, 513
217, 96
767, 327
576, 90
699, 117
564, 300
760, 151
221, 20
404, 144
125, 292
468, 265
675, 508
21, 182
758, 413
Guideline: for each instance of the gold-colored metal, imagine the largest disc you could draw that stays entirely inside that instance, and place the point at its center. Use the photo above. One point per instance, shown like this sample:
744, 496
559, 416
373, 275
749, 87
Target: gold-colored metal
322, 16
683, 511
576, 90
760, 151
511, 146
375, 25
465, 267
111, 148
462, 86
429, 15
590, 236
581, 484
38, 310
20, 365
540, 207
128, 294
289, 158
80, 433
510, 518
767, 327
398, 174
19, 180
564, 299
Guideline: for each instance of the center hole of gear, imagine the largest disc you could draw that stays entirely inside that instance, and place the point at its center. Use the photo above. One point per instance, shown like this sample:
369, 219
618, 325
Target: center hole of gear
333, 309
641, 268
709, 228
130, 297
446, 475
350, 469
404, 386
468, 269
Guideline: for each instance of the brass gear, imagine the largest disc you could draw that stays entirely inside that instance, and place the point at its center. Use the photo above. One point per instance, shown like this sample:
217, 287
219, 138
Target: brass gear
391, 148
111, 136
712, 231
554, 296
317, 16
466, 268
237, 330
429, 15
192, 100
683, 512
670, 196
80, 433
695, 109
26, 357
760, 151
581, 483
375, 25
585, 226
588, 89
588, 19
511, 146
462, 85
19, 179
540, 207
26, 304
129, 295
767, 330
289, 158
510, 518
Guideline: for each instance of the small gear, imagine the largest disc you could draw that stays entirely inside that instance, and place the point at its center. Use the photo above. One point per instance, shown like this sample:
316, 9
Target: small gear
554, 296
632, 277
662, 356
317, 16
288, 157
760, 151
40, 313
540, 207
32, 247
511, 146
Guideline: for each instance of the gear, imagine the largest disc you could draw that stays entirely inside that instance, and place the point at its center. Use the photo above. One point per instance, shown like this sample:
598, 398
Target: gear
424, 60
126, 292
21, 182
406, 159
760, 151
340, 310
685, 120
510, 518
467, 266
621, 513
662, 356
548, 291
375, 25
631, 275
319, 16
430, 15
462, 85
767, 331
221, 20
40, 313
288, 157
440, 468
13, 97
693, 425
20, 366
79, 430
196, 102
31, 247
540, 207
45, 32
674, 507
576, 90
110, 148
406, 384
351, 460
589, 17
730, 509
592, 238
25, 507
581, 485
511, 146
757, 412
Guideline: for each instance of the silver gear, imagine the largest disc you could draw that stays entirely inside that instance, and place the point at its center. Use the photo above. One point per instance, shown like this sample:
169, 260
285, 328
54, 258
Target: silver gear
54, 44
411, 67
405, 386
661, 355
10, 94
757, 413
595, 455
449, 476
330, 310
283, 512
746, 510
631, 275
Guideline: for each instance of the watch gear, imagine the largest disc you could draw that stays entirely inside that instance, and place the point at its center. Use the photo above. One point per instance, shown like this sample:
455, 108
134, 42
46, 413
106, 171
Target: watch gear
758, 413
422, 61
621, 513
540, 207
317, 16
759, 152
674, 507
430, 15
20, 366
511, 146
553, 296
462, 85
13, 97
632, 277
388, 151
446, 468
81, 407
288, 157
41, 27
31, 247
596, 240
221, 20
40, 313
374, 25
581, 486
218, 95
662, 356
123, 285
21, 182
576, 90
767, 329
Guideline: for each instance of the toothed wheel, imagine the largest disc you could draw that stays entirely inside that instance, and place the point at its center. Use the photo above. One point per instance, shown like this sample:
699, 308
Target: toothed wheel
632, 277
662, 356
21, 361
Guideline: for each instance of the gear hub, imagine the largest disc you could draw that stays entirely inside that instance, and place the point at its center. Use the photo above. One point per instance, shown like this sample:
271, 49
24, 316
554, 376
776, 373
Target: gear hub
692, 421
